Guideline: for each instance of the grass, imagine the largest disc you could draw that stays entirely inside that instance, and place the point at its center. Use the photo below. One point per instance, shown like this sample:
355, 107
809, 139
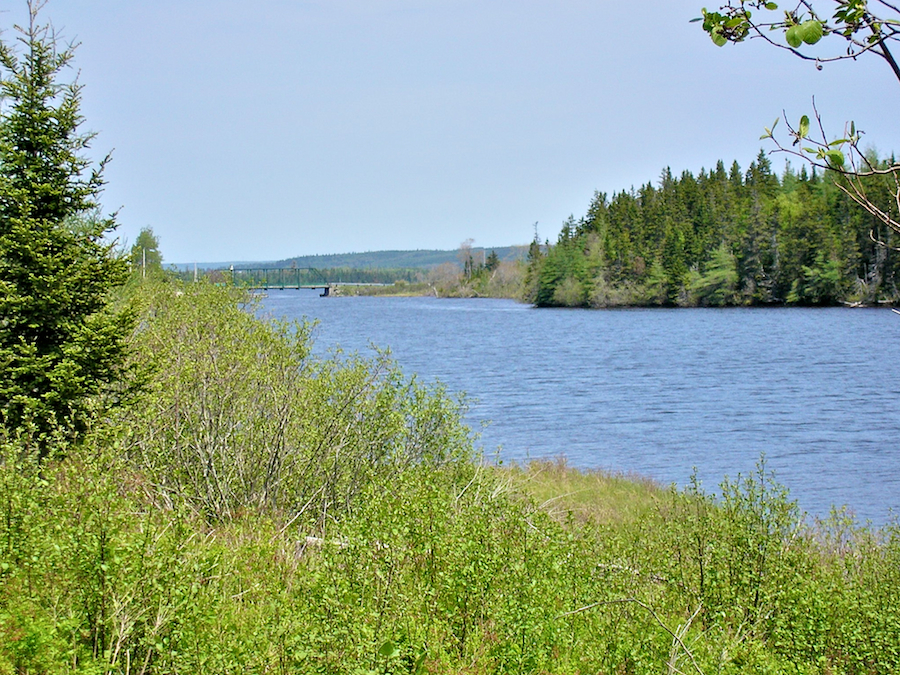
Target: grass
462, 568
588, 496
400, 289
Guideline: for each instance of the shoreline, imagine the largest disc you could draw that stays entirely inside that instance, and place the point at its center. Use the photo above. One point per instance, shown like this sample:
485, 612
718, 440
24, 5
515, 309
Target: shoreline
429, 291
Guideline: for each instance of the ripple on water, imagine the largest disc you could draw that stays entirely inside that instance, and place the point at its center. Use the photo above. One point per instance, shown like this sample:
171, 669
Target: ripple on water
655, 391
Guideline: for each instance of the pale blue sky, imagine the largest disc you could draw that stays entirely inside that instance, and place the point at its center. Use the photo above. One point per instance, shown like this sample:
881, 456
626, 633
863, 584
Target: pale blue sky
259, 131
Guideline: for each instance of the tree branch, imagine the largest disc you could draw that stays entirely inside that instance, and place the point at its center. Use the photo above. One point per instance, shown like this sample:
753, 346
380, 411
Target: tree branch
637, 602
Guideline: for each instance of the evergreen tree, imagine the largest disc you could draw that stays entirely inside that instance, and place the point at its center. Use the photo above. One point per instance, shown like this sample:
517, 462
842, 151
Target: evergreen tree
492, 262
717, 286
725, 238
61, 347
535, 262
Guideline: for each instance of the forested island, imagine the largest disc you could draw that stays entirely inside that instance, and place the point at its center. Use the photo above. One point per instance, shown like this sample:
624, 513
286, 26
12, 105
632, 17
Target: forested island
723, 237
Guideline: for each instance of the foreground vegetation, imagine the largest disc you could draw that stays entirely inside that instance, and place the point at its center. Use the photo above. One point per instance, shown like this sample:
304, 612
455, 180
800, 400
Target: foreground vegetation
258, 509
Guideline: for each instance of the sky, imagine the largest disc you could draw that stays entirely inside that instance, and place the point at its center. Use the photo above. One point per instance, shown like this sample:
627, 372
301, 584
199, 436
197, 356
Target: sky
245, 131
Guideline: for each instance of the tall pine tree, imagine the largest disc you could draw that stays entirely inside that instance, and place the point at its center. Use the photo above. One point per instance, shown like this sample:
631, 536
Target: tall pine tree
62, 348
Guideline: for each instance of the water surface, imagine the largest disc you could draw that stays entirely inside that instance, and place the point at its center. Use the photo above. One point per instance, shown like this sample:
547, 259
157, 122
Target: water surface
656, 392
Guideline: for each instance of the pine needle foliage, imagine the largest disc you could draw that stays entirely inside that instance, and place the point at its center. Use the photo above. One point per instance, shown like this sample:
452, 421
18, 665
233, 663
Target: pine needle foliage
61, 347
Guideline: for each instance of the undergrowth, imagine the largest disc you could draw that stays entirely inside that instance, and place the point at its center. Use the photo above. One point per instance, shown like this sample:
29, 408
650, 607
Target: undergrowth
396, 550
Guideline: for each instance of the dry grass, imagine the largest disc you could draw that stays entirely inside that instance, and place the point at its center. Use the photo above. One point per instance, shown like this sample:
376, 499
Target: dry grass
395, 290
586, 495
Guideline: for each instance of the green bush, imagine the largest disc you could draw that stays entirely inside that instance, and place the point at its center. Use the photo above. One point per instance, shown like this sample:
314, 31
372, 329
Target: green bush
239, 415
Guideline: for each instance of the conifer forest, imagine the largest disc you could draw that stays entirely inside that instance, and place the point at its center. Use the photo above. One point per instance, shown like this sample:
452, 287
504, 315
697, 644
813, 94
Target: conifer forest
723, 237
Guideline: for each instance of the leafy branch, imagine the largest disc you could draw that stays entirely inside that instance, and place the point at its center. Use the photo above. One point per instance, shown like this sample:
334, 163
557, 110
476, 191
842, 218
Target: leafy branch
843, 157
864, 27
861, 29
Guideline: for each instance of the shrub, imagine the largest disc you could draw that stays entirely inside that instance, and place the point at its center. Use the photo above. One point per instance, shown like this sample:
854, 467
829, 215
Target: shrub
239, 414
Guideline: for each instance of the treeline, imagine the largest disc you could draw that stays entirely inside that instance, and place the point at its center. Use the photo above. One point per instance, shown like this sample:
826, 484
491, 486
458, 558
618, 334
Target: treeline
493, 278
416, 259
287, 276
724, 237
477, 276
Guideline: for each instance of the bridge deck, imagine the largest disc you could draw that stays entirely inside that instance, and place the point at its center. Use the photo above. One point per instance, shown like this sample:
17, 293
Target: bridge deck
268, 278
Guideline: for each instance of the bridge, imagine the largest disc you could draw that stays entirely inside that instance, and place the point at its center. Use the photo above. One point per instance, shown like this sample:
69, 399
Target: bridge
281, 278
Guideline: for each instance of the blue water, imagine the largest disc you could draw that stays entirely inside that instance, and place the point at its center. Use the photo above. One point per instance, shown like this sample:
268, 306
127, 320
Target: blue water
656, 392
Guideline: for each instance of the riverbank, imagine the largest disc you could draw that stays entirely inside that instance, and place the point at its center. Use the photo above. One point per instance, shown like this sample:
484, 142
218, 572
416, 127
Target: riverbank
505, 280
405, 289
260, 508
401, 289
412, 290
467, 568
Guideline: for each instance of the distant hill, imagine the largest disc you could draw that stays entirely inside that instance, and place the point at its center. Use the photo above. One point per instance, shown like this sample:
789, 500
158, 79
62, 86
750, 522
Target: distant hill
397, 259
373, 259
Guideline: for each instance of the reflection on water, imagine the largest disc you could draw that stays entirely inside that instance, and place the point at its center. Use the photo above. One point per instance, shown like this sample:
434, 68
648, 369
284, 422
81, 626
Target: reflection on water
657, 392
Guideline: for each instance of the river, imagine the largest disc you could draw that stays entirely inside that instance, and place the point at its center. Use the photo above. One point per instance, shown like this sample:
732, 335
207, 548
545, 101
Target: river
656, 392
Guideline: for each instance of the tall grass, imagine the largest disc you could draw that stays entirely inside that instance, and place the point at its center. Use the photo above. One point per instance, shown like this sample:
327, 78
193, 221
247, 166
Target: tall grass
394, 549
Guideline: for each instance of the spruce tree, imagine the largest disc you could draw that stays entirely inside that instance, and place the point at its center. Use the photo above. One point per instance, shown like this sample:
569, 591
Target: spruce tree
62, 348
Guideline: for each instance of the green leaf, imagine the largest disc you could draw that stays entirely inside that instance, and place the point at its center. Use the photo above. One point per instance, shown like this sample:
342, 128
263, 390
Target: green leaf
810, 31
835, 158
771, 6
793, 37
389, 650
803, 129
419, 665
769, 130
839, 141
718, 39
